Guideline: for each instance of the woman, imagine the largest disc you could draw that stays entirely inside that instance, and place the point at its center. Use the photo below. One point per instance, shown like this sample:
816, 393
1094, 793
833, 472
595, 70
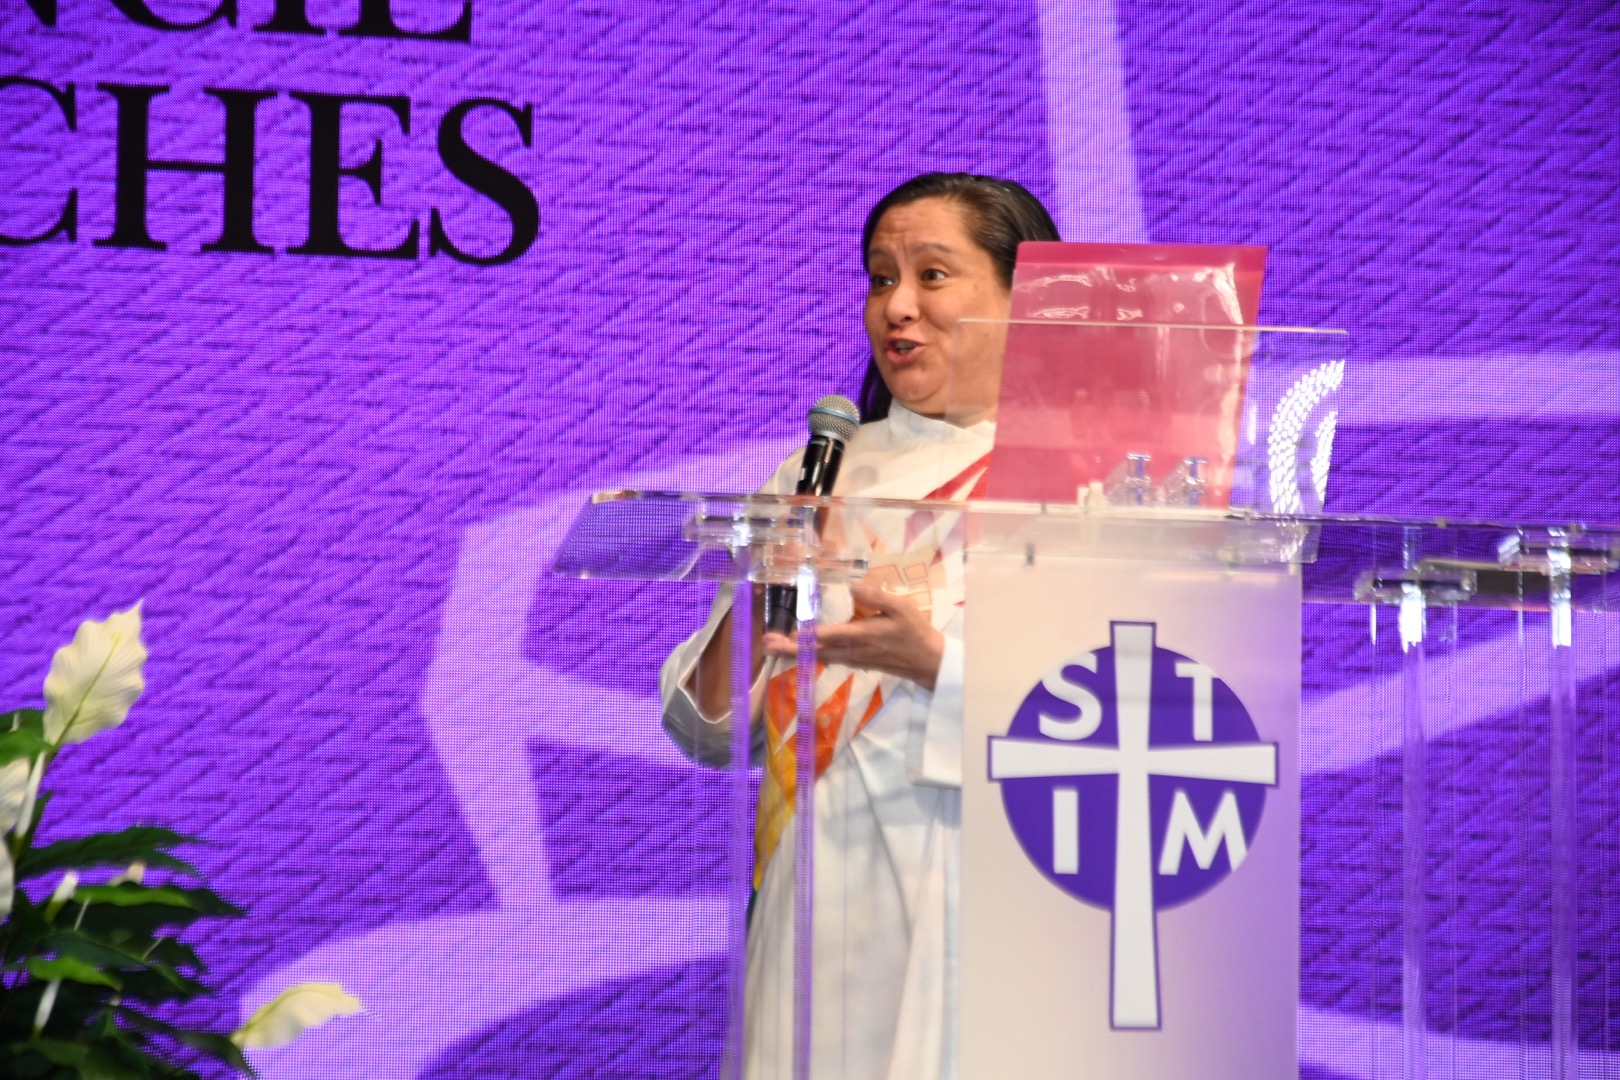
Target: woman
937, 250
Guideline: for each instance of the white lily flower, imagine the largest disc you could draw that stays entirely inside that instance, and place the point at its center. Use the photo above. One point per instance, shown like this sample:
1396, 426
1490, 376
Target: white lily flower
95, 678
136, 874
63, 893
13, 792
47, 1002
292, 1012
25, 815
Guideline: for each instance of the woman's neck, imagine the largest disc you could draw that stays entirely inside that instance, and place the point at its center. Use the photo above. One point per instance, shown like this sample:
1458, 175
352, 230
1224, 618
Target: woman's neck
963, 419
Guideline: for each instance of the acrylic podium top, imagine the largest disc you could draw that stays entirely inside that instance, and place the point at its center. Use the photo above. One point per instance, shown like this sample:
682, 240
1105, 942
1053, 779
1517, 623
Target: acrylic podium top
1125, 440
685, 536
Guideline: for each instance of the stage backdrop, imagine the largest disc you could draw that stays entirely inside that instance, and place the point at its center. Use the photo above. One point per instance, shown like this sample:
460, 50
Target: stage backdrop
320, 318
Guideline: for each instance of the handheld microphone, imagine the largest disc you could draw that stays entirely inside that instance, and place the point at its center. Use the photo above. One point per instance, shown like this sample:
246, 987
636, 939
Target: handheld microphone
833, 421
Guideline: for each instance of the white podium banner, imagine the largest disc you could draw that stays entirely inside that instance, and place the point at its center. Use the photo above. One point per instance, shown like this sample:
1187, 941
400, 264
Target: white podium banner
1130, 874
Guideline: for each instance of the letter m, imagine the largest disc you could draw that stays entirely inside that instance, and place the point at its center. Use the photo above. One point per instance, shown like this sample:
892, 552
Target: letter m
1184, 831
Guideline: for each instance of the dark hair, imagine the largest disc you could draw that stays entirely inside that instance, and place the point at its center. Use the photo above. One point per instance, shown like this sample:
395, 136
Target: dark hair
1001, 215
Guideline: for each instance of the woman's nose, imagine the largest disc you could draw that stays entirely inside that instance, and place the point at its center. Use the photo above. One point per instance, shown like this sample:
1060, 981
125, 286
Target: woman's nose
902, 304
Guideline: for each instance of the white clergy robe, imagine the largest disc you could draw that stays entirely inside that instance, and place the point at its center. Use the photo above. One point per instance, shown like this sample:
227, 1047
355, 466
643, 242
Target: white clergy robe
888, 819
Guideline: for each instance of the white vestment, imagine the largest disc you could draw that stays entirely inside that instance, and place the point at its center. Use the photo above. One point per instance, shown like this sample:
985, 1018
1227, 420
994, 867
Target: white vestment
888, 821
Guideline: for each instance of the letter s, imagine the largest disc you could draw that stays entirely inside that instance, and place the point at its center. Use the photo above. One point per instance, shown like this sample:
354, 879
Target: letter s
1090, 719
488, 179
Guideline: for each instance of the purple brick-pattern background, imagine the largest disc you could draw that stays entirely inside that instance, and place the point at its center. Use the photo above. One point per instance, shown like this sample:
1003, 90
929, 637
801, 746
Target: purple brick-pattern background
423, 765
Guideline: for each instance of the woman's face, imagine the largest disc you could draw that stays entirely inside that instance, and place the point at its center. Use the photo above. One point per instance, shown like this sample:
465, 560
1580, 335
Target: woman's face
927, 273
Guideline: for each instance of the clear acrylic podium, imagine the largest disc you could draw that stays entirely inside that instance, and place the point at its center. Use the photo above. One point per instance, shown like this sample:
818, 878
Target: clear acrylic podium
1432, 593
1424, 613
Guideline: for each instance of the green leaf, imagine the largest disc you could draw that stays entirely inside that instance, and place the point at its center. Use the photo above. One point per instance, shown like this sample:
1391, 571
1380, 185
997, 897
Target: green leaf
75, 944
91, 1061
176, 954
24, 720
141, 843
24, 1065
25, 929
40, 804
129, 894
21, 743
76, 1013
146, 972
71, 967
131, 927
156, 986
217, 1046
210, 902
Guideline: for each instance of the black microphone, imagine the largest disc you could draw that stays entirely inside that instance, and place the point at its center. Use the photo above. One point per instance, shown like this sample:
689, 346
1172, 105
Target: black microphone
833, 421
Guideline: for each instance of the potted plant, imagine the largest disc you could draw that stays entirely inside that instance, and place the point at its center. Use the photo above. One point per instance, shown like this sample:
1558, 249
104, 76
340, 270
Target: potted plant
93, 952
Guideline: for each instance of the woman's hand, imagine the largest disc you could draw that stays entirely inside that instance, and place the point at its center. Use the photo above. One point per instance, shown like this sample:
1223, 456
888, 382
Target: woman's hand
889, 633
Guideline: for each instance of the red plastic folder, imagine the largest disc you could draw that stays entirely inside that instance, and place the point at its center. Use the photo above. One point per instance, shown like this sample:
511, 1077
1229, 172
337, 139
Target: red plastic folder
1156, 365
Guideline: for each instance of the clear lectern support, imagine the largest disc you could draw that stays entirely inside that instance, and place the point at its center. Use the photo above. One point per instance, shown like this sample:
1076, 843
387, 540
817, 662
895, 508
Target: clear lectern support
1494, 601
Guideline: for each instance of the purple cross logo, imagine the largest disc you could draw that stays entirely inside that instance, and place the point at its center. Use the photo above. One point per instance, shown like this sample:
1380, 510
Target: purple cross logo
1134, 779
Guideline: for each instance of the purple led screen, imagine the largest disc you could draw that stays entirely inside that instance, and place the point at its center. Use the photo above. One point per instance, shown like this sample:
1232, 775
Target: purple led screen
336, 478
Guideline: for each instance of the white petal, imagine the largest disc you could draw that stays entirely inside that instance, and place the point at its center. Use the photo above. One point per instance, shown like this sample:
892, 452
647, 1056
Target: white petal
47, 1002
95, 678
65, 888
62, 894
36, 773
13, 791
136, 873
8, 882
294, 1011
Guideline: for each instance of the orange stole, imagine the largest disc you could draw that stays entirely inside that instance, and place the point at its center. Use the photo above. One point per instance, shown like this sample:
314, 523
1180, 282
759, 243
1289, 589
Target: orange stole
779, 787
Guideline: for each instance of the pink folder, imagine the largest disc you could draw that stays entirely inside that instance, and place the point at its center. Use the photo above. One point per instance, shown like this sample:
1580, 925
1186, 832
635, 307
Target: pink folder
1159, 372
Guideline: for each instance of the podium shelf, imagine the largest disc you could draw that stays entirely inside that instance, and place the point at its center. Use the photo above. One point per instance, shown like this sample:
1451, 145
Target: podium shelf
686, 536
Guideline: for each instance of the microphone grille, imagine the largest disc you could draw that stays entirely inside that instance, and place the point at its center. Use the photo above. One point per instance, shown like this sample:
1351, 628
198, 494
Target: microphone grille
835, 415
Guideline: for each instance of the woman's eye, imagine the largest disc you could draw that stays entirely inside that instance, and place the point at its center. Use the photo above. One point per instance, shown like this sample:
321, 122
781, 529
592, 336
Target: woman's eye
933, 275
881, 282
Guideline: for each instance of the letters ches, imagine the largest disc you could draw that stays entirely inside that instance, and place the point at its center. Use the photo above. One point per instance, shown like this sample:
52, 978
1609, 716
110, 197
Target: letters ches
136, 159
135, 162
